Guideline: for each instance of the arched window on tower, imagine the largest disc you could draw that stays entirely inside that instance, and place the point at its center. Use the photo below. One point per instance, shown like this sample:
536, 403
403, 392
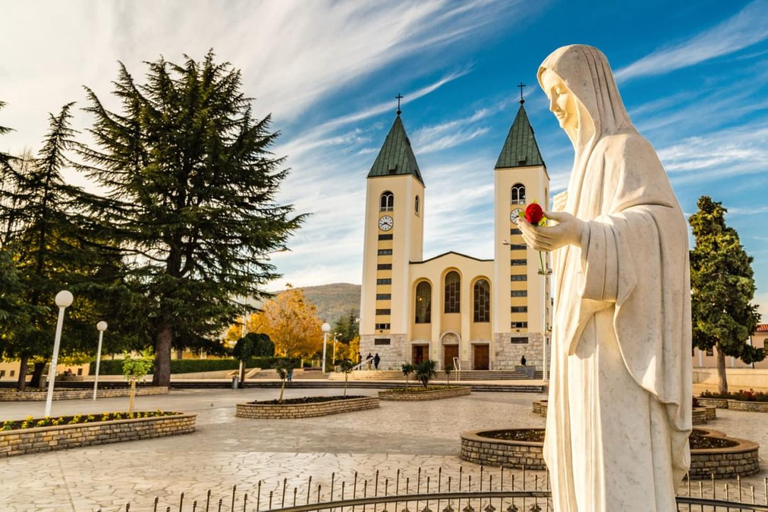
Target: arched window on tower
518, 194
423, 303
387, 201
452, 293
482, 301
416, 205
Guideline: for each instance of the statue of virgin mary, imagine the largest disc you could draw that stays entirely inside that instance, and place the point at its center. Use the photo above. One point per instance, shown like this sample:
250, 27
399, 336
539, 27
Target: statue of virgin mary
619, 412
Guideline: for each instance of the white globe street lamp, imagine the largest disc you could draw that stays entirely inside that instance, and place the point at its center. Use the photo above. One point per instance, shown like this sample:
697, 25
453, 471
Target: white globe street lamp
101, 327
326, 329
63, 300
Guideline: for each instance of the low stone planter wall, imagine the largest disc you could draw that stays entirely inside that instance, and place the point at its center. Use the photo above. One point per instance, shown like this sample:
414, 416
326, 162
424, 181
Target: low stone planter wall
415, 396
699, 416
500, 452
310, 410
75, 394
739, 460
720, 403
739, 405
540, 407
62, 437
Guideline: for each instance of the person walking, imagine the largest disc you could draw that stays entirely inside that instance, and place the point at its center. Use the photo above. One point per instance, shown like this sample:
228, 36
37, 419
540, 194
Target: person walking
376, 360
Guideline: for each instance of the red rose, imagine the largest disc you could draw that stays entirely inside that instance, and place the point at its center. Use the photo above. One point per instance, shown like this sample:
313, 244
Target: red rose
534, 213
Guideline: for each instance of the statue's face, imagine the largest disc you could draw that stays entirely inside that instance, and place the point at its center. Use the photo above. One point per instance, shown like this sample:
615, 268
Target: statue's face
562, 102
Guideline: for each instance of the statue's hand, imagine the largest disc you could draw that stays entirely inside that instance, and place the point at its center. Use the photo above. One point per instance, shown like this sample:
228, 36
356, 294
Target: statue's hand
550, 238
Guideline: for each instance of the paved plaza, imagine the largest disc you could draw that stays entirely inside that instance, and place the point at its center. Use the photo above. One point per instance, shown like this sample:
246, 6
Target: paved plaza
227, 451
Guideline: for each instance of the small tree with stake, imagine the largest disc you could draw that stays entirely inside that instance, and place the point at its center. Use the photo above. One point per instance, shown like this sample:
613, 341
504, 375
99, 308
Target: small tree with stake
448, 370
282, 368
407, 369
135, 370
251, 345
346, 366
425, 371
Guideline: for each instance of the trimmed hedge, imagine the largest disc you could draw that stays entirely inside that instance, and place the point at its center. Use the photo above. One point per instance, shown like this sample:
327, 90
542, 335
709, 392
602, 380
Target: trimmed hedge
195, 365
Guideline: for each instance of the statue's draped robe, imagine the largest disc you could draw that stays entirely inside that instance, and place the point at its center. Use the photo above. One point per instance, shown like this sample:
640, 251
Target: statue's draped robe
620, 395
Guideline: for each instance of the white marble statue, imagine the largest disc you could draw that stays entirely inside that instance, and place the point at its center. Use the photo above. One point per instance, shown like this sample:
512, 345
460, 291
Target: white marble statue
620, 396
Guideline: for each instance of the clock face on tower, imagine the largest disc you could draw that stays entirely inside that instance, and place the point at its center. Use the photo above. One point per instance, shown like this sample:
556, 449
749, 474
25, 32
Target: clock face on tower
515, 215
386, 223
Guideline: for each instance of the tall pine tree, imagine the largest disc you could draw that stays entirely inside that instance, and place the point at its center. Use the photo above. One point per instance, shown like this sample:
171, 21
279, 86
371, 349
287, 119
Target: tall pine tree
4, 157
191, 188
44, 232
723, 287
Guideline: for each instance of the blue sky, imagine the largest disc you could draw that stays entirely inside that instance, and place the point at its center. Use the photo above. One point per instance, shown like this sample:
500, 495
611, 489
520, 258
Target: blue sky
692, 74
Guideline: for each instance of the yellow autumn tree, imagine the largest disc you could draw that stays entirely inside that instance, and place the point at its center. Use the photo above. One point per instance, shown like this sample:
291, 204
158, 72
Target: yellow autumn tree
291, 322
253, 323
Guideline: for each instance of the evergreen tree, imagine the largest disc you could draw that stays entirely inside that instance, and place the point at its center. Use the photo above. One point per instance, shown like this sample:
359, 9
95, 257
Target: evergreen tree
44, 233
723, 287
347, 327
191, 200
5, 158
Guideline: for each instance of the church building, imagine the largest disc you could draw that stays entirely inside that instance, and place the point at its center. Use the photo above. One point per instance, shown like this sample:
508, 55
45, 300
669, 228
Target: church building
456, 309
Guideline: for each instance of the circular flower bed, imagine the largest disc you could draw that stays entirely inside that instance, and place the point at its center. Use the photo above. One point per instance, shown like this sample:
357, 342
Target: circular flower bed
711, 451
34, 435
305, 407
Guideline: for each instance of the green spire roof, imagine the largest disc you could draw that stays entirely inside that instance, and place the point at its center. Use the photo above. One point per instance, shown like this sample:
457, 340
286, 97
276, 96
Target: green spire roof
520, 148
396, 156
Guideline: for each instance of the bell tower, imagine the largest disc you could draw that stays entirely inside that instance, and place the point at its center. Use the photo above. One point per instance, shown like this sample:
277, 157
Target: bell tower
394, 235
522, 302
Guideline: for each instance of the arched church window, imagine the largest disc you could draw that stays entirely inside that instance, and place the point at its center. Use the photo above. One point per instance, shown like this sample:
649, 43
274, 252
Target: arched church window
482, 301
452, 293
423, 303
518, 194
387, 201
416, 205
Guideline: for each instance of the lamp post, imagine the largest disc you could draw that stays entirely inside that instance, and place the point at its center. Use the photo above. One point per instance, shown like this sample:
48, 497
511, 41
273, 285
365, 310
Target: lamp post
101, 326
63, 300
545, 274
326, 329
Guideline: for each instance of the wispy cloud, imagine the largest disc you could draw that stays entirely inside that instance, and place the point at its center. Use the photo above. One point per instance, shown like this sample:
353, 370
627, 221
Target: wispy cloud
732, 152
746, 28
452, 133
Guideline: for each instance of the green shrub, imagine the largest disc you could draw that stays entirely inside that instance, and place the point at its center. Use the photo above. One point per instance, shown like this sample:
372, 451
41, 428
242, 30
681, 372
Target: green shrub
196, 365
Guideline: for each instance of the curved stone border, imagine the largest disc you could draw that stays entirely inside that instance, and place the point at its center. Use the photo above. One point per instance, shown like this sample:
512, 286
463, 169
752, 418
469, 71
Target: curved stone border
417, 396
740, 460
311, 410
501, 452
699, 416
76, 394
540, 407
739, 405
62, 437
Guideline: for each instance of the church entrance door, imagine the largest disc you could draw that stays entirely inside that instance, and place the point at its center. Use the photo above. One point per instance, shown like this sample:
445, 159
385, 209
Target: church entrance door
420, 353
481, 357
449, 352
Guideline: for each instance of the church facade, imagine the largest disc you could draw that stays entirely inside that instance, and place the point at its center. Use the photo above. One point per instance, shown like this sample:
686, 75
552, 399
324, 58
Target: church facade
458, 310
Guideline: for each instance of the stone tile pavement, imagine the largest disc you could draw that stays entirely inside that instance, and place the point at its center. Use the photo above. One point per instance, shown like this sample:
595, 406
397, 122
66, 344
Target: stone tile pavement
227, 451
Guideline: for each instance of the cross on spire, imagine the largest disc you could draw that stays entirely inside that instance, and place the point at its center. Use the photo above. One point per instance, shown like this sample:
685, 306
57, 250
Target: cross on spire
521, 85
398, 97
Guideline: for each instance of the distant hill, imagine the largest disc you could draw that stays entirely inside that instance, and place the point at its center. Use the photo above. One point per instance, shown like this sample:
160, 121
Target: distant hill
334, 300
